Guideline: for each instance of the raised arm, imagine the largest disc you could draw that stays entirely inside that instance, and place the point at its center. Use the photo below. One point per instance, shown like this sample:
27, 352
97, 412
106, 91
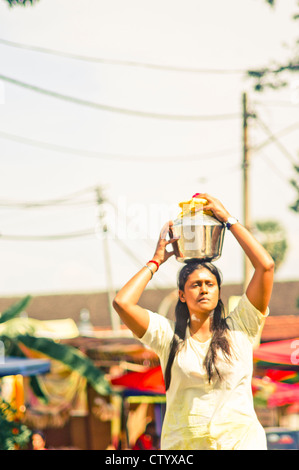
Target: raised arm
126, 301
260, 287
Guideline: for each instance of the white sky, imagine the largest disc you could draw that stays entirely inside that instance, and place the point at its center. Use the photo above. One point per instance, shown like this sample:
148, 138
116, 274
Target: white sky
143, 163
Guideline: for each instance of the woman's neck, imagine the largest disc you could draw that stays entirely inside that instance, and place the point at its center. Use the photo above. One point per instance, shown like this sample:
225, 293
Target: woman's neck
200, 327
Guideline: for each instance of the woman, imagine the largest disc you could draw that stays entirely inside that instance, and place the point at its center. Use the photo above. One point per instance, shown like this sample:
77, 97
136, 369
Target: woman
206, 358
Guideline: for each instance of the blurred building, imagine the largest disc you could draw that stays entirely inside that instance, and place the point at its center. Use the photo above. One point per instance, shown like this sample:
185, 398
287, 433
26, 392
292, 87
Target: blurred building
117, 352
282, 323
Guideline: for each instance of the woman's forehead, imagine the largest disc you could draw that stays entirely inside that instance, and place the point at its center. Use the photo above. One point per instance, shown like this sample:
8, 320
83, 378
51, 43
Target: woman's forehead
201, 274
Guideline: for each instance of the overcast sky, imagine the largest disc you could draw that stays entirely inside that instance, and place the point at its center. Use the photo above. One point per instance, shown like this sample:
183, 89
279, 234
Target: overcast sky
155, 116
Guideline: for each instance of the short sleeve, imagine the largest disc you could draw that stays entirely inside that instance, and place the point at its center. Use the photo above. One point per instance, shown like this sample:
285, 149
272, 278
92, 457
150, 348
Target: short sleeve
159, 333
247, 318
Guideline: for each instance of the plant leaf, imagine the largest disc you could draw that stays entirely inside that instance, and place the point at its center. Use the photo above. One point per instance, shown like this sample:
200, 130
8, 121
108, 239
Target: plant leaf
71, 357
15, 309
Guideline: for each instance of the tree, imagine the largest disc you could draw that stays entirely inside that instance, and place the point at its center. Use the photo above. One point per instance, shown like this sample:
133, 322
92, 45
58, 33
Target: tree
17, 335
13, 434
273, 76
272, 236
20, 2
14, 337
295, 184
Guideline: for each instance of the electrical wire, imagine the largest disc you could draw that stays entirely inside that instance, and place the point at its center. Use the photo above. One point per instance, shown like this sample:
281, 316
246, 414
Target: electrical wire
34, 238
283, 104
61, 203
281, 133
274, 168
110, 156
281, 147
35, 205
127, 63
68, 200
119, 110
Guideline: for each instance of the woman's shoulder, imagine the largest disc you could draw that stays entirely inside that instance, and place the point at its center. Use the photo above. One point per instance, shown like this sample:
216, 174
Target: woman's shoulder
159, 333
245, 317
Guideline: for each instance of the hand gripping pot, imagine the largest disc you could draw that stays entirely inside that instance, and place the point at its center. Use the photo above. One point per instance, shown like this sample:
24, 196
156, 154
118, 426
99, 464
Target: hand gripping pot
200, 235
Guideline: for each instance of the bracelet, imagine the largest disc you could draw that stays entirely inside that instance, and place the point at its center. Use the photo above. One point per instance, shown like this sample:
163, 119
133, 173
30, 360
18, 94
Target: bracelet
146, 266
155, 262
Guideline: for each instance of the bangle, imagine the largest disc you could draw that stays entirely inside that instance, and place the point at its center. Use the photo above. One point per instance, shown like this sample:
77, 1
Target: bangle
146, 266
155, 262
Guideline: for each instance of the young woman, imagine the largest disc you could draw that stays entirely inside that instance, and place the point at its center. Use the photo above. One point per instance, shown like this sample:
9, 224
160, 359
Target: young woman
206, 357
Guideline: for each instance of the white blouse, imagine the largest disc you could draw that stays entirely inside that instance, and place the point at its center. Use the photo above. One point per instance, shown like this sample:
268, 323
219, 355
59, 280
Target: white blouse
217, 415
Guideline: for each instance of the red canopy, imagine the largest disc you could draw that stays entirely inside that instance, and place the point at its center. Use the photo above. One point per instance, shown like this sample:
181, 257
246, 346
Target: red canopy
150, 381
279, 353
285, 394
280, 384
272, 392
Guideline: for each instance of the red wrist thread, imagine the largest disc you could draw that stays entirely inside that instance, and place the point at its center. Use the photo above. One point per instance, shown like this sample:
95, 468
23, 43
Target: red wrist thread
155, 262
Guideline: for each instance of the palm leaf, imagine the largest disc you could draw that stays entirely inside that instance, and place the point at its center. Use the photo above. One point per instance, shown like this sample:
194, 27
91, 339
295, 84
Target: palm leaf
15, 309
37, 389
71, 357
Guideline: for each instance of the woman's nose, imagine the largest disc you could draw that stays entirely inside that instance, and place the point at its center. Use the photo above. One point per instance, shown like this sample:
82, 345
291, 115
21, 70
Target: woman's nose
204, 288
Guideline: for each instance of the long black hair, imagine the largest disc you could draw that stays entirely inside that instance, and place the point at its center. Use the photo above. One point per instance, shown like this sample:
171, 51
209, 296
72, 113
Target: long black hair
218, 325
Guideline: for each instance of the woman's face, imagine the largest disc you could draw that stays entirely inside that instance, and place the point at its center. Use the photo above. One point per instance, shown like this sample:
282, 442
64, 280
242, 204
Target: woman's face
201, 292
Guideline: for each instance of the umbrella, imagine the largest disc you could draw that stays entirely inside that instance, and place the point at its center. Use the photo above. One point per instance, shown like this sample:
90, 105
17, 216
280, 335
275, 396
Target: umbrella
23, 366
283, 355
148, 381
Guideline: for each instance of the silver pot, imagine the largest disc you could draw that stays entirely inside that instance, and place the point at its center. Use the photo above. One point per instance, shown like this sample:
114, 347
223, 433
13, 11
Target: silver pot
199, 236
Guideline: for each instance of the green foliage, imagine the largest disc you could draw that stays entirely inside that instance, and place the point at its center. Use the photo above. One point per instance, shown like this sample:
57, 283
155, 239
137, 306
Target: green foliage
273, 238
71, 357
274, 77
295, 183
13, 434
20, 2
15, 309
20, 331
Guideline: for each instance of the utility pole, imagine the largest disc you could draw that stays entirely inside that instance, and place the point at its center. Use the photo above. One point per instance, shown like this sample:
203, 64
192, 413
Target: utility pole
114, 318
246, 189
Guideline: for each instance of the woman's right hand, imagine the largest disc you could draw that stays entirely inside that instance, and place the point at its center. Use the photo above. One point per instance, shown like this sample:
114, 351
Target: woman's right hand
126, 300
161, 254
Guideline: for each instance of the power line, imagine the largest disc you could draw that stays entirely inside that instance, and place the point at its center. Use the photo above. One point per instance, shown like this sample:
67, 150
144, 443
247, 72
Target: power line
281, 133
274, 168
281, 147
130, 63
63, 236
110, 156
119, 110
64, 201
278, 104
35, 205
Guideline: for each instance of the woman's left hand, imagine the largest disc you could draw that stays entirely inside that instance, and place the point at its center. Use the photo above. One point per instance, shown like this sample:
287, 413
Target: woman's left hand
216, 207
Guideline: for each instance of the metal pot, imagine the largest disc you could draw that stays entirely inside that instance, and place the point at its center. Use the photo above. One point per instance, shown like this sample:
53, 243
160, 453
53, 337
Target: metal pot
200, 236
